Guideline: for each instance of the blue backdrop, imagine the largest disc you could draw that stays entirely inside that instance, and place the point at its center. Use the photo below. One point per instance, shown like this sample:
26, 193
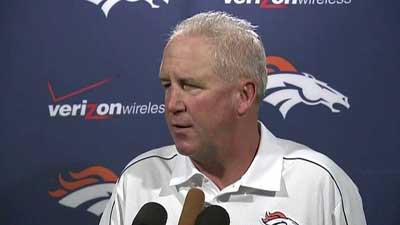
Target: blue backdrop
80, 95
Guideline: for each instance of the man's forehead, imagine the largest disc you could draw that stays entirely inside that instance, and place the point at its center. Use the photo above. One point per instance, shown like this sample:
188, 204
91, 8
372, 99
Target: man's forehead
189, 41
186, 54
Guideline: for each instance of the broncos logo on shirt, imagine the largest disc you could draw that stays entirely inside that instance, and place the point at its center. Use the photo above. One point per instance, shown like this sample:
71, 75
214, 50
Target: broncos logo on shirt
286, 87
277, 218
92, 186
106, 5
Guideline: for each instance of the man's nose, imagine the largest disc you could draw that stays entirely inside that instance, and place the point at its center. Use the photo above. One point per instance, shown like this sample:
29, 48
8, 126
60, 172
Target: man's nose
174, 100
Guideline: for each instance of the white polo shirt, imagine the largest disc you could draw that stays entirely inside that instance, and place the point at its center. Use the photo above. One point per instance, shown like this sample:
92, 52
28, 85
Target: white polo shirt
286, 182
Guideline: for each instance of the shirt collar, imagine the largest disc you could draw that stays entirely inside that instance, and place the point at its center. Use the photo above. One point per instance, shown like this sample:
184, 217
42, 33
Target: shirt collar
264, 173
183, 170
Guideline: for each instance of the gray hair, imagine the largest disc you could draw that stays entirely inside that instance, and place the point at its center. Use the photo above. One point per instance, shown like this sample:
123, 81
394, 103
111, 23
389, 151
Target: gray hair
238, 50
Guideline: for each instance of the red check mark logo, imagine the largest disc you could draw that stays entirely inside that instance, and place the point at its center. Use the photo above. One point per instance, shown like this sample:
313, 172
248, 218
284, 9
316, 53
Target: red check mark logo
266, 5
77, 91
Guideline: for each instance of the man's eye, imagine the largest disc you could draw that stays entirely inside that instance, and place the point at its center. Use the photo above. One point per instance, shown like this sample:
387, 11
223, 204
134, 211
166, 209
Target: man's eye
166, 85
189, 86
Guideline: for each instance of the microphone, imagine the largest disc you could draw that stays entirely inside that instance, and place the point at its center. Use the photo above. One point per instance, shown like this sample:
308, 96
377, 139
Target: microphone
192, 207
151, 213
213, 215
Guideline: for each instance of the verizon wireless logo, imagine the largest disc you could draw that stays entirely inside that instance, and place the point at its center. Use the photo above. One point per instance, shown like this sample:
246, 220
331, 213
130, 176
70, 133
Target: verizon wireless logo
280, 4
97, 110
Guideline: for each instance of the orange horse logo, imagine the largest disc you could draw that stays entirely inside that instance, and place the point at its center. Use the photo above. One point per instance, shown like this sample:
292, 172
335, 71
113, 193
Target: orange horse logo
94, 184
106, 5
277, 218
287, 87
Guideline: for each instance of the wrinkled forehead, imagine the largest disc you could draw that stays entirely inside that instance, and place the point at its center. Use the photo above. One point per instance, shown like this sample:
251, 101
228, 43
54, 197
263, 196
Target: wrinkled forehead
187, 39
187, 55
197, 48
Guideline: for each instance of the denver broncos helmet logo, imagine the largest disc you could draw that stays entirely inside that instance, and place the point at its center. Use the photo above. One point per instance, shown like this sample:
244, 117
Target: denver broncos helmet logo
92, 186
106, 5
277, 218
286, 88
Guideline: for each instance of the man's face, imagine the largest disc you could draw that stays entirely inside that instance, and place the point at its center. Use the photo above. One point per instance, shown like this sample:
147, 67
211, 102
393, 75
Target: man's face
200, 106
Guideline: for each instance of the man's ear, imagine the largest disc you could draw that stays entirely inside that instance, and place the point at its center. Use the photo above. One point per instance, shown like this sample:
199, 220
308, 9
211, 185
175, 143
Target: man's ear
247, 96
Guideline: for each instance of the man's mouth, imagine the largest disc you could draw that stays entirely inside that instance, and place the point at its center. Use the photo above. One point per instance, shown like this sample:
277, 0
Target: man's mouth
181, 126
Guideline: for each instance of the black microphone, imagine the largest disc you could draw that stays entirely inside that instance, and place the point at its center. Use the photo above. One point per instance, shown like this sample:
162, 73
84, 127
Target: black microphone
213, 215
151, 213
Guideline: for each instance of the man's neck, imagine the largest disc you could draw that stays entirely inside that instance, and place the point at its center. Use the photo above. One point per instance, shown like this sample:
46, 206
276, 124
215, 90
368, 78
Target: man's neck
231, 162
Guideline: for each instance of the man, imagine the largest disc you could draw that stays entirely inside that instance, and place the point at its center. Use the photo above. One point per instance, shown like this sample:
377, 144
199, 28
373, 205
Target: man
214, 75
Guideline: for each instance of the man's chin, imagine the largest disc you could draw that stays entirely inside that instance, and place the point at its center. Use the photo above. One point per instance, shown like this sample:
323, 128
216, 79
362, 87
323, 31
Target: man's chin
186, 150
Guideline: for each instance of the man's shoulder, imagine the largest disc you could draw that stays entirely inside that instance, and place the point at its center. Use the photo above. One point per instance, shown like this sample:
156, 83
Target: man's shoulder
163, 153
294, 151
158, 158
312, 164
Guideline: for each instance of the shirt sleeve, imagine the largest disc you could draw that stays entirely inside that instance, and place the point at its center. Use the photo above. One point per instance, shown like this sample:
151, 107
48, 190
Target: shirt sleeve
112, 214
349, 211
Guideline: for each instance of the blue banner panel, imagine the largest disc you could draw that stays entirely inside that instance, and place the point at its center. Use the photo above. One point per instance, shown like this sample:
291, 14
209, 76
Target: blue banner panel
81, 96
